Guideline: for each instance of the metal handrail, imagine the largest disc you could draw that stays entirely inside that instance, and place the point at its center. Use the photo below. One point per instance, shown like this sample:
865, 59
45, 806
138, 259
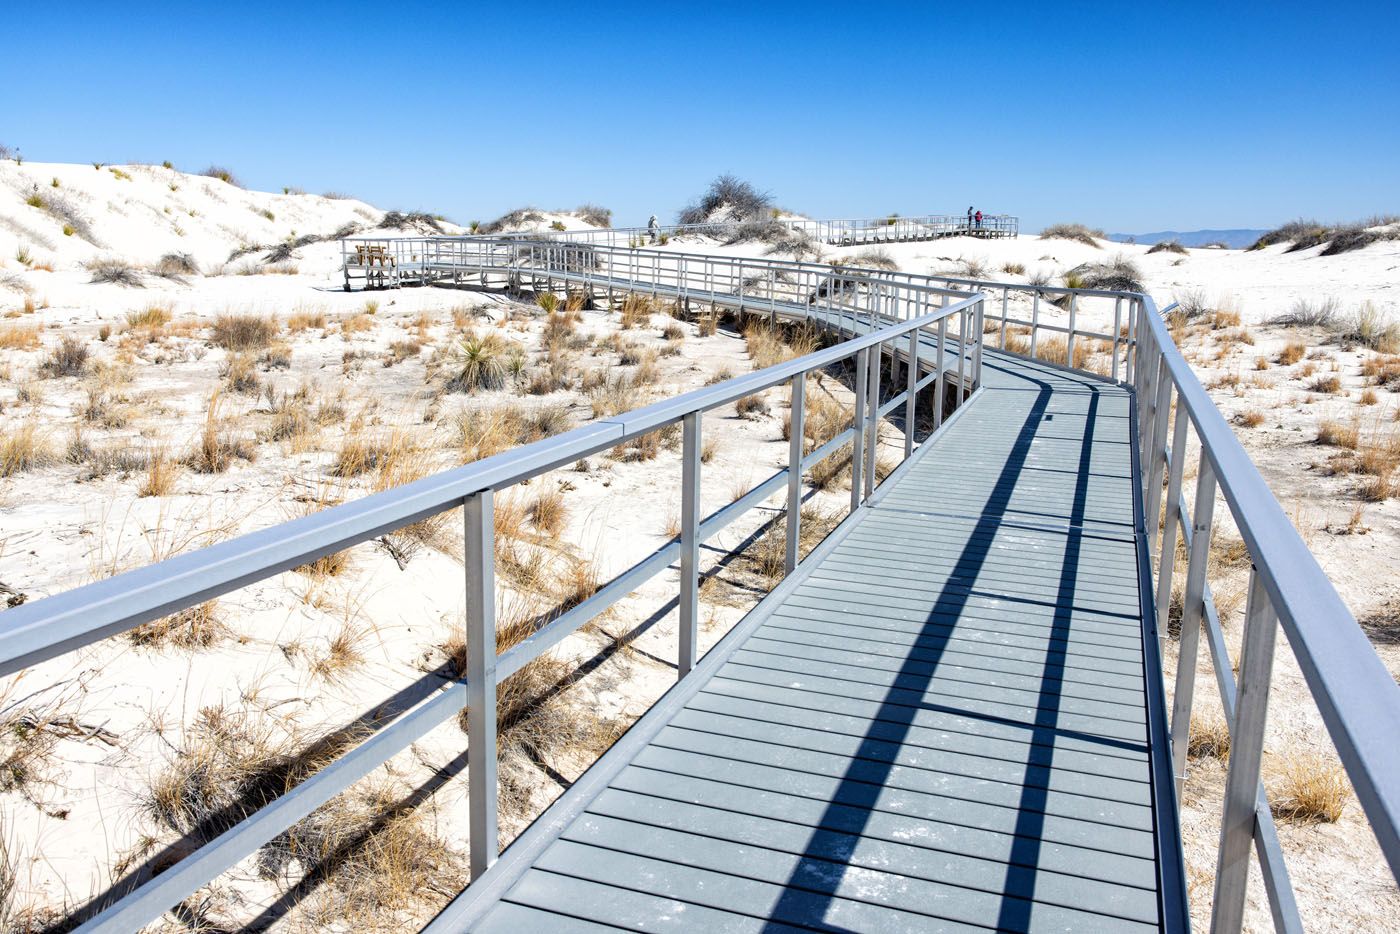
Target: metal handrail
1358, 699
46, 628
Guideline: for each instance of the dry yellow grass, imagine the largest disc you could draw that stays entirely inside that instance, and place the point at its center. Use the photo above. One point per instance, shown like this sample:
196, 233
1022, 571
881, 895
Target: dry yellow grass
161, 470
243, 333
1291, 353
1326, 384
22, 448
1250, 418
636, 311
1056, 350
548, 512
1368, 397
1339, 434
19, 337
1309, 789
1209, 738
305, 318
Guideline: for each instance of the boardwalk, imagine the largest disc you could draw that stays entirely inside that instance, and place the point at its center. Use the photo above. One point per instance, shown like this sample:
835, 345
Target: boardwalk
939, 724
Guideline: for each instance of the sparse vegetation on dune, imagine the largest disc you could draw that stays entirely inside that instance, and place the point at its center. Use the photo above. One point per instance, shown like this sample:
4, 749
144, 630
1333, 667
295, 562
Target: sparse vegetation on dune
728, 199
1089, 236
1167, 246
1338, 238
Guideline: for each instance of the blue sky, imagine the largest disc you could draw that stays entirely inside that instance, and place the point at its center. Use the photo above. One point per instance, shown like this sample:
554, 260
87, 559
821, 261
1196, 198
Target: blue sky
1127, 116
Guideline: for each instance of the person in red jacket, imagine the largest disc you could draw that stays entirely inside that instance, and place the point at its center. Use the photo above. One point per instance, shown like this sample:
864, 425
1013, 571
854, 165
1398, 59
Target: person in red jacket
979, 219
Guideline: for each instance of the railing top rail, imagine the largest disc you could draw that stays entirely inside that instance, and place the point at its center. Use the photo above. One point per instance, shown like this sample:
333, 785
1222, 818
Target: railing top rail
43, 629
1356, 695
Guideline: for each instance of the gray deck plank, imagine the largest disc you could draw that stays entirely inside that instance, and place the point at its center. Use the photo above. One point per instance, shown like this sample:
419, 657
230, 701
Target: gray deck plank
942, 727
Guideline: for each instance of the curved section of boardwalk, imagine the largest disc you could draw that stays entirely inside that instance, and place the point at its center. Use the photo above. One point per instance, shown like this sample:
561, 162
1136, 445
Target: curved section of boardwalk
941, 723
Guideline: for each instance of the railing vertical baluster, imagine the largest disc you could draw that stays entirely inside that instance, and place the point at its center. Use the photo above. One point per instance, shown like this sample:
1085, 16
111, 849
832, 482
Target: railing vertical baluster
1166, 560
1130, 357
1035, 322
872, 380
858, 426
479, 523
690, 542
1192, 612
1005, 313
938, 374
1117, 330
962, 355
911, 399
796, 441
1237, 823
979, 330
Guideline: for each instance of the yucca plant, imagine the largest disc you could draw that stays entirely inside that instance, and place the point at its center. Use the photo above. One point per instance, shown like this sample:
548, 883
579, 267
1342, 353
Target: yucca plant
483, 365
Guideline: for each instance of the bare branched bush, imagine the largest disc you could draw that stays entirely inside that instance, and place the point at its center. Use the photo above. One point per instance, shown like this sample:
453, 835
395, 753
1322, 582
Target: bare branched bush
176, 266
728, 199
69, 358
1119, 274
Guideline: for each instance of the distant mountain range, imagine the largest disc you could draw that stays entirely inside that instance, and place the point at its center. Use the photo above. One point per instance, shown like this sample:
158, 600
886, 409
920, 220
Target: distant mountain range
1235, 239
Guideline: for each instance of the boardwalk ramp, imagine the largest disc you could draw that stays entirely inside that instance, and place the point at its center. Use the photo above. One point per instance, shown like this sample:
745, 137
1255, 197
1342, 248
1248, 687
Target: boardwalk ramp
940, 723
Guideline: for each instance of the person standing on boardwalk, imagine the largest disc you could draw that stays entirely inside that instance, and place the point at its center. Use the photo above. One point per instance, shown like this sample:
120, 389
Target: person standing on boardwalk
653, 228
969, 217
979, 220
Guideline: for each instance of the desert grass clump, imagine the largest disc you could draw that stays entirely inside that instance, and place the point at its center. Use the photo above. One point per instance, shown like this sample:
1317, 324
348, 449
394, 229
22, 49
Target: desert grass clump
1320, 313
176, 266
1014, 269
217, 448
359, 454
19, 337
1056, 350
161, 471
1118, 274
752, 407
1167, 246
548, 512
1368, 397
1310, 789
1291, 353
1089, 236
619, 393
673, 332
22, 449
1250, 418
114, 271
69, 358
151, 318
1326, 384
198, 627
1209, 738
1339, 434
636, 311
1371, 327
305, 318
241, 376
243, 333
223, 175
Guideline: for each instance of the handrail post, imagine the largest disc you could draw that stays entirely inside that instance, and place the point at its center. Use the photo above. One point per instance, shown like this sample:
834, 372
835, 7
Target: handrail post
1192, 611
1005, 313
796, 429
1156, 460
979, 330
690, 542
479, 513
1069, 339
858, 426
1035, 322
1237, 823
872, 380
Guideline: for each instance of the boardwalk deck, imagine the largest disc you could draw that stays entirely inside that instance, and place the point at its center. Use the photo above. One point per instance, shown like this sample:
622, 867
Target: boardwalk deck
940, 723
